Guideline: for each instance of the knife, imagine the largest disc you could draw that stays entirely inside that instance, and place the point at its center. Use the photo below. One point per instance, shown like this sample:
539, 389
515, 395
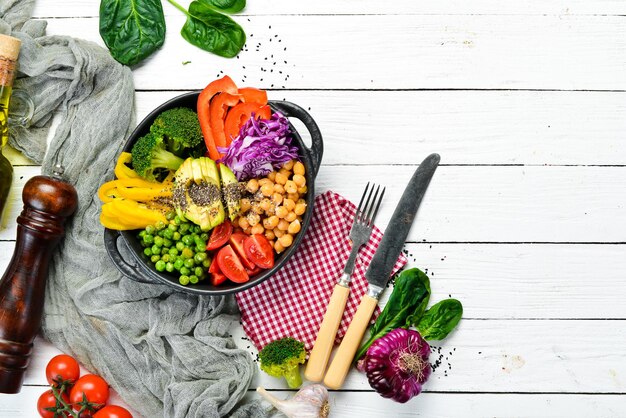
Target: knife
380, 268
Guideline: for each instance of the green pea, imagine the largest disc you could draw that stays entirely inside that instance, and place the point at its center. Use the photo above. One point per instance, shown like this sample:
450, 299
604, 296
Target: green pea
184, 280
158, 241
179, 263
160, 265
169, 267
150, 230
170, 215
172, 227
206, 263
185, 271
164, 251
147, 252
160, 233
165, 257
176, 236
198, 271
193, 279
200, 257
187, 253
188, 240
180, 246
183, 228
148, 239
160, 225
177, 220
200, 248
142, 234
155, 258
156, 250
189, 263
168, 233
204, 237
173, 252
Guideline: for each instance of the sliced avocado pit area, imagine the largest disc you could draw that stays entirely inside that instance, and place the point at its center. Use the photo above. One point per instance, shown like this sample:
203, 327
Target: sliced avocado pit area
203, 194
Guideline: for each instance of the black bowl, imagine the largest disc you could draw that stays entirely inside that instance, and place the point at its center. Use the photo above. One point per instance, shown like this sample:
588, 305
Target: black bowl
142, 270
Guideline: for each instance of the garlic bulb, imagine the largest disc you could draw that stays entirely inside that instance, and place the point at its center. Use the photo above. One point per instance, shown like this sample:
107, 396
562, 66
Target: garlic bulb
310, 402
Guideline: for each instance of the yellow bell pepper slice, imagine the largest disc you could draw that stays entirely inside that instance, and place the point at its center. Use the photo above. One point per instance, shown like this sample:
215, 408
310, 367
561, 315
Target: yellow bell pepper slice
122, 171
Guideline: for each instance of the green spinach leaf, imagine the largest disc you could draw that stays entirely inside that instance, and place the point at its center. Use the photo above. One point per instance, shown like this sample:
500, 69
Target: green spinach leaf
407, 302
440, 319
132, 29
226, 6
212, 31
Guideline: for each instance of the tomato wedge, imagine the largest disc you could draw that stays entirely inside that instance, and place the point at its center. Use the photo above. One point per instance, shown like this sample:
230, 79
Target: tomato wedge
224, 84
214, 268
239, 115
217, 279
219, 236
236, 241
259, 251
230, 265
256, 270
252, 95
217, 109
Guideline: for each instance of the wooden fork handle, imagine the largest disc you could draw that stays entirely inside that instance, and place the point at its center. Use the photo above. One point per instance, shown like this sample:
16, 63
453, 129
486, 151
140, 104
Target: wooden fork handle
318, 359
342, 361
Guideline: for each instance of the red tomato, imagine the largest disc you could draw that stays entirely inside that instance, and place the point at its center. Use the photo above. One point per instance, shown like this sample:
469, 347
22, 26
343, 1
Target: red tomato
256, 270
219, 236
113, 411
231, 266
47, 400
217, 278
62, 367
259, 251
237, 240
214, 268
94, 388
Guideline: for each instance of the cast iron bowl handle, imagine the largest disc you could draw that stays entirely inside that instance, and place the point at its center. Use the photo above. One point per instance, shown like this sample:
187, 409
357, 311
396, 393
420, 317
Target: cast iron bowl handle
110, 243
317, 145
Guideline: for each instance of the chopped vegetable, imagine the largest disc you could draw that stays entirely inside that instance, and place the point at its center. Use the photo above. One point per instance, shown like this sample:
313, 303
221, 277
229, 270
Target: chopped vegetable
259, 251
282, 358
239, 115
230, 265
149, 155
217, 109
224, 84
261, 147
122, 171
179, 128
397, 365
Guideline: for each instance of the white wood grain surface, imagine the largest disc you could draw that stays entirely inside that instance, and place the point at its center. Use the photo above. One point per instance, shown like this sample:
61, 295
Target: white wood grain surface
525, 220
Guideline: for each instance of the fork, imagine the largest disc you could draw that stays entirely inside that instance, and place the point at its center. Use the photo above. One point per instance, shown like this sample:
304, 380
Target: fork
359, 234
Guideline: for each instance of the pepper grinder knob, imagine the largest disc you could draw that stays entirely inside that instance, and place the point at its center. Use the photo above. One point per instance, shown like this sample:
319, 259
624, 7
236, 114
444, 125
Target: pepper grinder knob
48, 202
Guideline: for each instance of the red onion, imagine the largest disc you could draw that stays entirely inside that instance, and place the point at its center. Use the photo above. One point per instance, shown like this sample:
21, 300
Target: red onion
397, 364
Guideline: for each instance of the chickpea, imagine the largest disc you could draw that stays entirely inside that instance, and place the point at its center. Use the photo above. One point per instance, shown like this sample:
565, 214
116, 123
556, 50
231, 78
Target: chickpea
278, 233
298, 168
252, 186
285, 172
256, 208
286, 240
245, 205
290, 187
271, 210
283, 225
257, 229
293, 196
264, 180
294, 227
272, 175
299, 180
278, 247
300, 208
253, 218
265, 205
267, 189
243, 223
270, 235
289, 204
302, 190
281, 178
271, 222
277, 198
278, 188
281, 211
291, 216
289, 165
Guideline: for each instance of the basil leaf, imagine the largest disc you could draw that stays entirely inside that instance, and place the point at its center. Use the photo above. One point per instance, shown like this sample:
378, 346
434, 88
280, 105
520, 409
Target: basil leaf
132, 29
408, 300
212, 31
440, 319
227, 6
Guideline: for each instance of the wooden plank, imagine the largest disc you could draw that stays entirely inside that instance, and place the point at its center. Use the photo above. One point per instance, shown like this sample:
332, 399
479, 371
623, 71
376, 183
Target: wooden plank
397, 52
516, 281
64, 8
477, 204
477, 127
491, 356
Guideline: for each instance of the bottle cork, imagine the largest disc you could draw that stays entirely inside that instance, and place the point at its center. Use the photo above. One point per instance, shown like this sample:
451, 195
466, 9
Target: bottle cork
9, 47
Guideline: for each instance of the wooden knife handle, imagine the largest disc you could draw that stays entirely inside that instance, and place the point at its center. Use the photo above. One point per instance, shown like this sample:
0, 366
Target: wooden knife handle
324, 342
340, 365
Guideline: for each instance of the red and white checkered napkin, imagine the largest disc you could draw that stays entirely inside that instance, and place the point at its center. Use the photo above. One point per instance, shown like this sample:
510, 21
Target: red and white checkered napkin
292, 303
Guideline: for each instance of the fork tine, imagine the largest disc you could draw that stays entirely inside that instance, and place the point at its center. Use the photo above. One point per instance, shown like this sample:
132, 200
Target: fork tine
370, 209
367, 202
358, 209
380, 199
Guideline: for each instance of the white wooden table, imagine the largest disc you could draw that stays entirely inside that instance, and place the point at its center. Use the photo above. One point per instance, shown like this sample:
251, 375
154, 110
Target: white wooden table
525, 221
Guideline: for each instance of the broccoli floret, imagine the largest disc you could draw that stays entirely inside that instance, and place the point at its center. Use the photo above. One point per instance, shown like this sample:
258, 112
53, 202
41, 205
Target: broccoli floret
282, 358
149, 155
180, 129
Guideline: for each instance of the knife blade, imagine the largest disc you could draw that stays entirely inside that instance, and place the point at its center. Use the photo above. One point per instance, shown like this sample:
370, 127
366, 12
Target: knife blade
380, 268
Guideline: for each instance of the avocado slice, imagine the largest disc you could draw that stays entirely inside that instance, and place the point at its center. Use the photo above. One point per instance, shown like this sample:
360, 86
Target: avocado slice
231, 190
197, 194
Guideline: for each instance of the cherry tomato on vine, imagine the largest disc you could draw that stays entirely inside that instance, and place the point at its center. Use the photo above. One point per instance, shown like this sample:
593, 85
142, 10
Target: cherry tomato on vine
95, 389
113, 411
62, 367
47, 400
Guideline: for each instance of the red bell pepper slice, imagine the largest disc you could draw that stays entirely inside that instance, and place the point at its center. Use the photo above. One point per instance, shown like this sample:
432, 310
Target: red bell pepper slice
252, 95
239, 115
224, 84
217, 109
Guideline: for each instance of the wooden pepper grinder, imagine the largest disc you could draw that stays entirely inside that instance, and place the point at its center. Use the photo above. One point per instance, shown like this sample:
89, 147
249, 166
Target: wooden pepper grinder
48, 201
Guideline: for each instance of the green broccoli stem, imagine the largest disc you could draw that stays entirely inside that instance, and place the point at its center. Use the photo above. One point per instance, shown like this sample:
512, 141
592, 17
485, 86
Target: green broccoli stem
293, 377
165, 159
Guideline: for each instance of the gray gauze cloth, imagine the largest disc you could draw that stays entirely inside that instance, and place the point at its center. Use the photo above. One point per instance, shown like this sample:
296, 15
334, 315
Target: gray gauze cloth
166, 353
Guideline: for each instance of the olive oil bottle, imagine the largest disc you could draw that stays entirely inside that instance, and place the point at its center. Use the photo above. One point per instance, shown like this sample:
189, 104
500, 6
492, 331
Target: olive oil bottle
9, 51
